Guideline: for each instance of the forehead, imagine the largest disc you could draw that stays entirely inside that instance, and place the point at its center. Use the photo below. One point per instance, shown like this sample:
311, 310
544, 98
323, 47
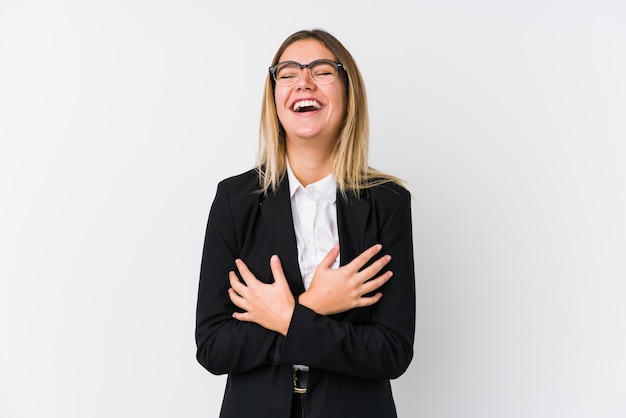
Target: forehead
306, 50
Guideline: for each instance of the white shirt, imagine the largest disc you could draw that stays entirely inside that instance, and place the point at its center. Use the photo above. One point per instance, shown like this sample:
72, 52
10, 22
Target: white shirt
314, 212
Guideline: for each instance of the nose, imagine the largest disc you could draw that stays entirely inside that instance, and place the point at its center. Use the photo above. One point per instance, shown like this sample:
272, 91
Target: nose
305, 81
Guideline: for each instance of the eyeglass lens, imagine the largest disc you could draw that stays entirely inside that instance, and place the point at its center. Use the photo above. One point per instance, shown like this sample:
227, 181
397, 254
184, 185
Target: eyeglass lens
322, 72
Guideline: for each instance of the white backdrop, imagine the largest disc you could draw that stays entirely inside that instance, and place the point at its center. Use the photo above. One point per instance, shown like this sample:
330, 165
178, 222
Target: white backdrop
506, 119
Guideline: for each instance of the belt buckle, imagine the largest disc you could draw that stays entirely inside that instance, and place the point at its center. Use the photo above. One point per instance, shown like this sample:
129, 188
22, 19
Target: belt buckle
296, 388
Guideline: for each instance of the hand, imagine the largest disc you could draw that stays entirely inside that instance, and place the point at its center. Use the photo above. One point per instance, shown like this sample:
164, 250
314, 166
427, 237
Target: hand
269, 305
338, 290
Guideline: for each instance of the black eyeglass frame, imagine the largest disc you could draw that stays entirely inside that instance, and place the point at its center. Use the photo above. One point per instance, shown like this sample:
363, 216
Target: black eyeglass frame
273, 69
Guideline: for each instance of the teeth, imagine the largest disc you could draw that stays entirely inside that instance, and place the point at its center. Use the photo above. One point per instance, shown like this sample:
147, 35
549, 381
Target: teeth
306, 103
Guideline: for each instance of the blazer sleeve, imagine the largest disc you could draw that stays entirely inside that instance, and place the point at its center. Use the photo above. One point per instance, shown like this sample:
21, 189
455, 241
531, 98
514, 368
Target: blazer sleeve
225, 345
382, 346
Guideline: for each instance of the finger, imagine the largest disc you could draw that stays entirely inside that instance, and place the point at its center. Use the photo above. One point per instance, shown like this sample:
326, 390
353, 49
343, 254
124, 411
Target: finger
369, 300
374, 284
242, 316
245, 272
373, 269
277, 270
330, 257
364, 257
236, 299
235, 283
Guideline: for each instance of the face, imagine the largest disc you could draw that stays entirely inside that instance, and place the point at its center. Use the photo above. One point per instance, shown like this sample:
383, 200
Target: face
309, 112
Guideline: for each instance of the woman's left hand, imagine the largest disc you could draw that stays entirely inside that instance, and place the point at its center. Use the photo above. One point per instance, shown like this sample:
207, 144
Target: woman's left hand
269, 305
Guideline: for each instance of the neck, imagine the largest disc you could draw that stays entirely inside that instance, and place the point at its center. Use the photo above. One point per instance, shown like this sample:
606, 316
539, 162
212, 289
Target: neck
309, 165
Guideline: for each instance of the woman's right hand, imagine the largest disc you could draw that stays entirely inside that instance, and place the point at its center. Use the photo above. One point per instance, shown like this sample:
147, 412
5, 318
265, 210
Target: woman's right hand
338, 290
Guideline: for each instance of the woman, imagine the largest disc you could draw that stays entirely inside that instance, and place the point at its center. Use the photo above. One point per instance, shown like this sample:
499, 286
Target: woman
296, 300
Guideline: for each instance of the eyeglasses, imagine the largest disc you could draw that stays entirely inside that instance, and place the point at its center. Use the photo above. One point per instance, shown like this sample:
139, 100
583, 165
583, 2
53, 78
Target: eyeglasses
322, 72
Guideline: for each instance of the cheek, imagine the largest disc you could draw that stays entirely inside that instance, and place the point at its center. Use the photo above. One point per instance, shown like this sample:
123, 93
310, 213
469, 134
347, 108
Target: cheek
281, 95
339, 99
279, 99
341, 105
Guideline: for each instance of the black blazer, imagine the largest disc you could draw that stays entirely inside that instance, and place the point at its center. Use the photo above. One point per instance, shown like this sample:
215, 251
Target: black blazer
351, 355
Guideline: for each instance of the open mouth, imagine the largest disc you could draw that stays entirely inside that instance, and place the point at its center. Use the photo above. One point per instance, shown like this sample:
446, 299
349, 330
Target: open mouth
306, 106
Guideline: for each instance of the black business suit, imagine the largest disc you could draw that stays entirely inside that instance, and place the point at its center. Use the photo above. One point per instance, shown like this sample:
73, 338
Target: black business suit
351, 355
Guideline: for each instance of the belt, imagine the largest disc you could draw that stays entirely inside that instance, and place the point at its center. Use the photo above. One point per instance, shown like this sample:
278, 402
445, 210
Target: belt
300, 380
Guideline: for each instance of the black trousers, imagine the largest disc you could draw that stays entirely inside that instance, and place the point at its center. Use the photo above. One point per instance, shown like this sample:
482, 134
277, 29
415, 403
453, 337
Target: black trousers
297, 406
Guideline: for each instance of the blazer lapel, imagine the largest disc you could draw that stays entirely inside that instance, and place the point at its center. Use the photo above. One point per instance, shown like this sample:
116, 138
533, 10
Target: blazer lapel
276, 210
352, 217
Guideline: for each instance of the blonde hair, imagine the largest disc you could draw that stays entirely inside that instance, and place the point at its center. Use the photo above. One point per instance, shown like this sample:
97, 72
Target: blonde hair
349, 156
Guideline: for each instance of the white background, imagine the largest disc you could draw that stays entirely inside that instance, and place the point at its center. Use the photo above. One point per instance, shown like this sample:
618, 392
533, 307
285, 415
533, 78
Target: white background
506, 119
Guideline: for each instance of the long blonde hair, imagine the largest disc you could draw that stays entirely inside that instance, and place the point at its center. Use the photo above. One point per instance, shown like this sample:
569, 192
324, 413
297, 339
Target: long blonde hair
349, 156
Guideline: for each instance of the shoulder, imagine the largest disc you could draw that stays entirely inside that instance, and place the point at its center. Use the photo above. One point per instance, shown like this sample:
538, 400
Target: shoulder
390, 204
246, 181
389, 189
239, 192
386, 194
384, 198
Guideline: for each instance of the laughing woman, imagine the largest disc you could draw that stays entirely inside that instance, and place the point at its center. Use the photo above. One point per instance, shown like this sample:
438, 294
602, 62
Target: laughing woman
307, 291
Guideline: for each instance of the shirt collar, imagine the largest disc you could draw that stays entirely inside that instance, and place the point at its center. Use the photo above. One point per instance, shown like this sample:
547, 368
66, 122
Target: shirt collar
326, 187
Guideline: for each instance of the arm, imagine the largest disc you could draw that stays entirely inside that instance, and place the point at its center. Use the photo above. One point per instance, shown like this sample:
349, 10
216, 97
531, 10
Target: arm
225, 345
374, 342
271, 305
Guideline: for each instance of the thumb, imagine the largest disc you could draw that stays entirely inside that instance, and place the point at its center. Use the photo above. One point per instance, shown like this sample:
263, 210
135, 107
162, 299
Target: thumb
330, 257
